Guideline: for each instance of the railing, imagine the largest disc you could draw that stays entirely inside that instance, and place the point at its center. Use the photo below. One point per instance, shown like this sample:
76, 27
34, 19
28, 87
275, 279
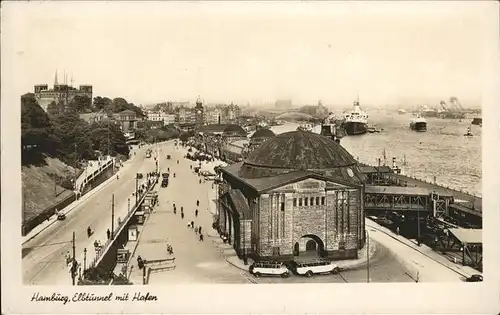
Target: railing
120, 227
95, 174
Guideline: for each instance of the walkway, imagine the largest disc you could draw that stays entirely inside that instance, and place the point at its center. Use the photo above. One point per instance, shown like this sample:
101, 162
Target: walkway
92, 166
430, 266
196, 262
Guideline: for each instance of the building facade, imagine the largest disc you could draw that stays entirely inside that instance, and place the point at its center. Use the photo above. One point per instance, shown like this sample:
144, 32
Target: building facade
127, 120
60, 93
199, 117
297, 194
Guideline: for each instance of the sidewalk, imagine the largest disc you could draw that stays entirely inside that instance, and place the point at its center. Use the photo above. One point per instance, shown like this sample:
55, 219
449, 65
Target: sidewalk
430, 266
229, 253
92, 166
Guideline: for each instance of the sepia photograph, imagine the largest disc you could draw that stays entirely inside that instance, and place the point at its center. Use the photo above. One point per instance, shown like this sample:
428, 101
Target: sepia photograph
169, 144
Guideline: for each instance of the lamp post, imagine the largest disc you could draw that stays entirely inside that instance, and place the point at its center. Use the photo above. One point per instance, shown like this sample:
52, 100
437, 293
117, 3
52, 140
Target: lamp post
74, 173
367, 256
84, 260
136, 186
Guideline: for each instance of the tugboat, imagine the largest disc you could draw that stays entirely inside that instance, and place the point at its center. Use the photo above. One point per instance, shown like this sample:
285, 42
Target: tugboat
469, 133
477, 121
332, 128
356, 121
418, 123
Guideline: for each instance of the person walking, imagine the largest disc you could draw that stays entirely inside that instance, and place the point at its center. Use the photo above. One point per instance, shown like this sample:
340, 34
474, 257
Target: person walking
182, 215
199, 230
108, 232
196, 213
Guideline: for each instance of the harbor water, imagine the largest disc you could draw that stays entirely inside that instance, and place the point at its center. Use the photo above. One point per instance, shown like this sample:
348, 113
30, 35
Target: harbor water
443, 151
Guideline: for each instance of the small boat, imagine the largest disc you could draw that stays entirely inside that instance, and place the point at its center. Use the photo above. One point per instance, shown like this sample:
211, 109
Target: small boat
418, 123
469, 133
372, 130
477, 121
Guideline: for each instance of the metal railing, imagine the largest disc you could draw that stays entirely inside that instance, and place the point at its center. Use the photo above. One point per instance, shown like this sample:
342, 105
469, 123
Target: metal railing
109, 242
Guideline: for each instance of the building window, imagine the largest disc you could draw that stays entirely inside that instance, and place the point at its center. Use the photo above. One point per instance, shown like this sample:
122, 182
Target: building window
317, 201
312, 201
300, 202
295, 202
305, 201
282, 206
322, 201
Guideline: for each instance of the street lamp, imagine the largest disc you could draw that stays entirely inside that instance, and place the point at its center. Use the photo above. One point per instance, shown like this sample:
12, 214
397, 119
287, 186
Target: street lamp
367, 256
75, 168
84, 260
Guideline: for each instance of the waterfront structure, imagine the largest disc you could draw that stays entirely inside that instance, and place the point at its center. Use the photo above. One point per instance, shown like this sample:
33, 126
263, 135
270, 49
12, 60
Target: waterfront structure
60, 93
127, 120
297, 194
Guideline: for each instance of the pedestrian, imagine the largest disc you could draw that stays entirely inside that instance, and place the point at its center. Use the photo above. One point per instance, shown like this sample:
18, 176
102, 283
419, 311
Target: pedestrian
196, 230
201, 237
199, 230
192, 224
196, 213
182, 215
397, 230
108, 232
68, 257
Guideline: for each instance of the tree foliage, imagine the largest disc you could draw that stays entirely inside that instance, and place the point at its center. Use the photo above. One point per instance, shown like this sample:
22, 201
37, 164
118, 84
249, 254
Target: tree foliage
65, 135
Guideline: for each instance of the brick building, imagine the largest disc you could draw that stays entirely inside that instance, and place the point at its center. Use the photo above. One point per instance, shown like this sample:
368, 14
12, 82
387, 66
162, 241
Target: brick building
297, 194
61, 92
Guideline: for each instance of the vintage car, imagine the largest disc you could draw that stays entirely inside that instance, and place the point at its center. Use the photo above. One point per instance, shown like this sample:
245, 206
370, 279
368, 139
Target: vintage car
310, 267
269, 268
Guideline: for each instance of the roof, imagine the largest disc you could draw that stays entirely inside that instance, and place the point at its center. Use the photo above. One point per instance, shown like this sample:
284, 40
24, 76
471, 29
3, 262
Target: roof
300, 150
395, 190
459, 207
127, 112
263, 133
468, 236
235, 129
266, 183
213, 128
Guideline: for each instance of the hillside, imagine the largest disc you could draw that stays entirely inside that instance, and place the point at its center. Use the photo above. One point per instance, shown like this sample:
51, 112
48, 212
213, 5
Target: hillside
43, 185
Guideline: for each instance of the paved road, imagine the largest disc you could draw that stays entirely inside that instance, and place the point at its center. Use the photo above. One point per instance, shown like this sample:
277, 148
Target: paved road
44, 256
201, 262
196, 262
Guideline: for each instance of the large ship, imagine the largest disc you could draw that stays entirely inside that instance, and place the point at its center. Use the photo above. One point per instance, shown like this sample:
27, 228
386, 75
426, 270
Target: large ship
418, 123
356, 121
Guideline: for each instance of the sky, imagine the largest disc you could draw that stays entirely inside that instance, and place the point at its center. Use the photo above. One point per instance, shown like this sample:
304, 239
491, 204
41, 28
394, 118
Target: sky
388, 53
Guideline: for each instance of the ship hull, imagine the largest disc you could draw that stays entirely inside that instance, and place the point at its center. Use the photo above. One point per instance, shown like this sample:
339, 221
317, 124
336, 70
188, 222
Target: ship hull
355, 128
419, 126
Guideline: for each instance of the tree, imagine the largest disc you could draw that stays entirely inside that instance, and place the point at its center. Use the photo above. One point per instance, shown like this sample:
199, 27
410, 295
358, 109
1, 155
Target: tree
70, 130
36, 128
52, 109
81, 104
107, 137
101, 103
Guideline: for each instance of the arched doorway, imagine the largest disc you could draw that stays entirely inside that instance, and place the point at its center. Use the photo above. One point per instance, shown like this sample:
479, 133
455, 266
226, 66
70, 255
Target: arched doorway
309, 246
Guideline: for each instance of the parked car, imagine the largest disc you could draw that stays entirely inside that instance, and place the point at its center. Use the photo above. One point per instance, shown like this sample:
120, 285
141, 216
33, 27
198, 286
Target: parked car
309, 268
474, 278
269, 268
164, 183
165, 175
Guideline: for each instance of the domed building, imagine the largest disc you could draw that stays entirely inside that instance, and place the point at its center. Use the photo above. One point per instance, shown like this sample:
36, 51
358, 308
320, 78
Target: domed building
259, 137
297, 194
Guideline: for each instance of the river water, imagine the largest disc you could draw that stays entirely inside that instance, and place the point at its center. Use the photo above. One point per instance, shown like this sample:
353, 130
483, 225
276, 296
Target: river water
442, 151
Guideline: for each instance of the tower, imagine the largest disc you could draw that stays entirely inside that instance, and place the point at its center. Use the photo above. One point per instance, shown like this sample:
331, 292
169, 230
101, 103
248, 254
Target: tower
55, 79
198, 115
